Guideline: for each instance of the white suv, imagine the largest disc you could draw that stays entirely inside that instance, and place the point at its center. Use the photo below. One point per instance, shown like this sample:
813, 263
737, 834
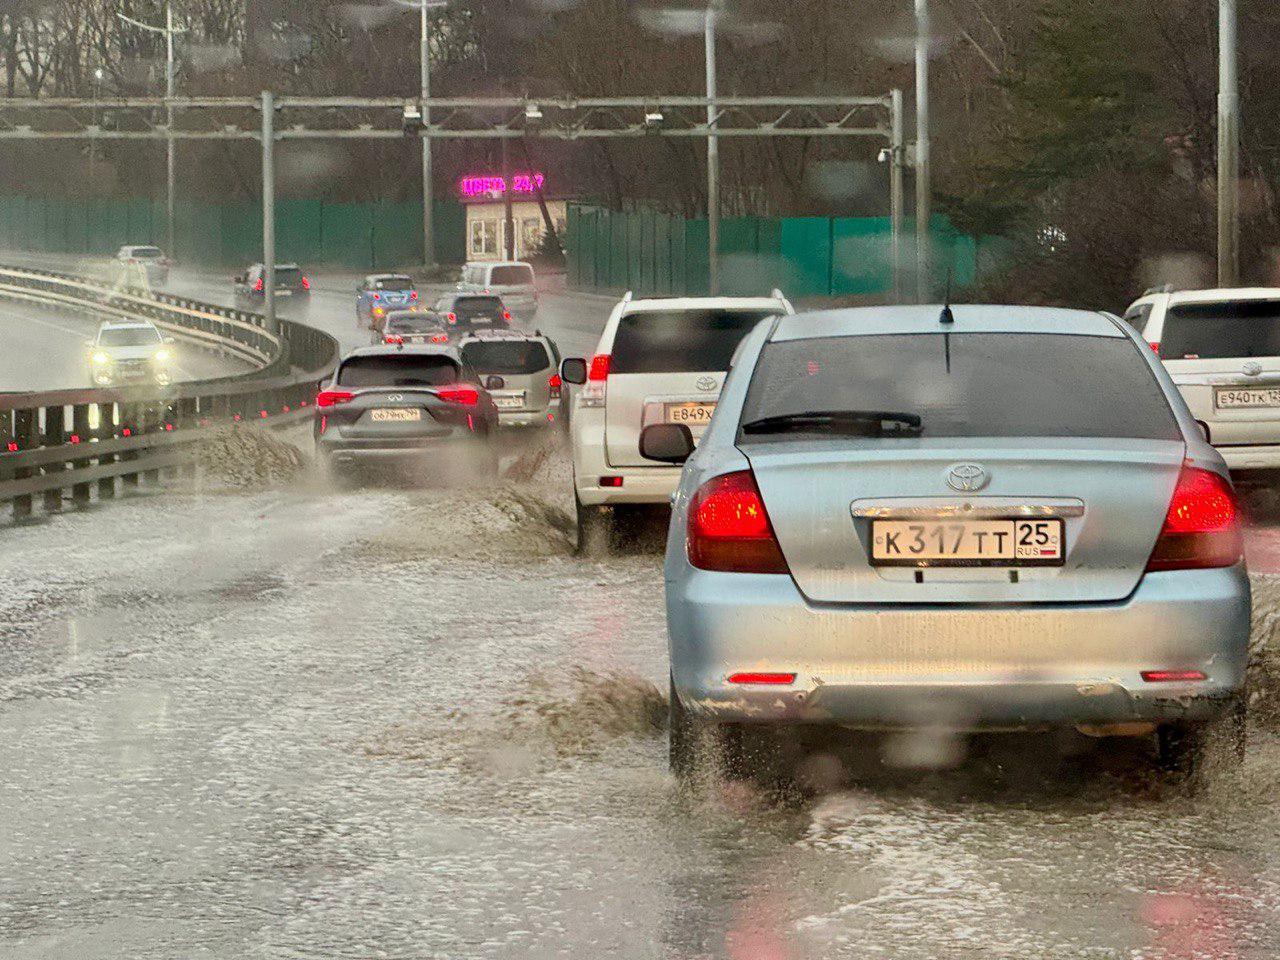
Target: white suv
1222, 348
658, 361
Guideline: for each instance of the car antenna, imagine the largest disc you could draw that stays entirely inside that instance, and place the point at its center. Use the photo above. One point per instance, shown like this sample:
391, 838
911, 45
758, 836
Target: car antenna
947, 316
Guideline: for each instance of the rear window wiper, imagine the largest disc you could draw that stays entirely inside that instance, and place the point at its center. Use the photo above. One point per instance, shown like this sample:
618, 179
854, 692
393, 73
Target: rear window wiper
865, 422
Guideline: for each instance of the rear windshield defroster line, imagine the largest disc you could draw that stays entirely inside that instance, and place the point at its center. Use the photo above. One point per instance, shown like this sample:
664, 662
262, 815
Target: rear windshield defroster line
977, 385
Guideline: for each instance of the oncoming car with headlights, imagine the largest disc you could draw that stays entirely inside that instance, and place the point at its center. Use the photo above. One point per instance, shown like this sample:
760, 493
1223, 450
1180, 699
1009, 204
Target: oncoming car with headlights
964, 519
129, 352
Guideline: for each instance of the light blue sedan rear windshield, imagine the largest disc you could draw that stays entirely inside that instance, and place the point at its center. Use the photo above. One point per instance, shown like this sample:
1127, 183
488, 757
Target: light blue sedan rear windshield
959, 385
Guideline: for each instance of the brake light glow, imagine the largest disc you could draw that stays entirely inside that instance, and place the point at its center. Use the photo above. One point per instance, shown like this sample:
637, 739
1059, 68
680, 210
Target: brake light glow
776, 679
451, 317
1155, 346
257, 287
413, 294
393, 338
555, 383
306, 284
729, 528
1172, 676
331, 398
506, 315
1202, 526
439, 338
610, 481
377, 296
599, 370
465, 395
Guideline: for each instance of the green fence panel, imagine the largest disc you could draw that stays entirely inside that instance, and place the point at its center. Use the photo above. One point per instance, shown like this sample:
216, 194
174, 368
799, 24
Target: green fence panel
693, 263
618, 278
636, 251
739, 257
662, 256
346, 235
861, 259
241, 233
450, 227
805, 245
298, 231
397, 234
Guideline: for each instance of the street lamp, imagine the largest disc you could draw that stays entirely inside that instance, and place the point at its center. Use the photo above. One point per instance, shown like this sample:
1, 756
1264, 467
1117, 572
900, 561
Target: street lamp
424, 53
169, 30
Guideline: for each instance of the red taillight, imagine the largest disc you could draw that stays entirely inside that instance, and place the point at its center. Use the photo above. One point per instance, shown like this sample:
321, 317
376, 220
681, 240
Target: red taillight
451, 317
729, 528
506, 315
393, 338
555, 383
329, 398
257, 287
1155, 346
776, 679
467, 396
599, 371
377, 296
306, 284
1202, 526
439, 338
1172, 676
611, 481
413, 294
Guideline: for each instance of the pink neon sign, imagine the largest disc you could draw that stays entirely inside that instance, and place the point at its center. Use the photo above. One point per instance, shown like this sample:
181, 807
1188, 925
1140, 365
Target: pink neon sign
476, 186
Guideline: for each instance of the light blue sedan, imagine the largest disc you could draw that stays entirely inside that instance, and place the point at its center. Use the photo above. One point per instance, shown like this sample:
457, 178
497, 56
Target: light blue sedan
380, 293
978, 518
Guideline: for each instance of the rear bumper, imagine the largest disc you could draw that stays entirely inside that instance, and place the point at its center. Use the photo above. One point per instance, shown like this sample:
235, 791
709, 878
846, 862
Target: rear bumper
639, 484
523, 418
1025, 667
1262, 456
344, 450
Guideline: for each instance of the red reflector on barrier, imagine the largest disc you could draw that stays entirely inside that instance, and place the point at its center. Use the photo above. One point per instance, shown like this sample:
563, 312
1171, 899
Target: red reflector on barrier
1172, 676
13, 447
236, 417
75, 438
285, 409
126, 432
263, 414
773, 679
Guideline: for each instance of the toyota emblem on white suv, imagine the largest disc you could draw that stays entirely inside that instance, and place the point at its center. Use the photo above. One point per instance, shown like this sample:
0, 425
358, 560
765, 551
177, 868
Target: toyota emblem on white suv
966, 477
706, 384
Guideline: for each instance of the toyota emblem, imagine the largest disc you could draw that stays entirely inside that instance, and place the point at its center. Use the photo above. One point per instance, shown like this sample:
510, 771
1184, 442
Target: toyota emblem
707, 384
1252, 368
966, 477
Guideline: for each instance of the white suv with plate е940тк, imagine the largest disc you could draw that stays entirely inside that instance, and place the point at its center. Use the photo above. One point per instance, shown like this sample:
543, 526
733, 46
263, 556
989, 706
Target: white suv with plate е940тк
1222, 348
658, 361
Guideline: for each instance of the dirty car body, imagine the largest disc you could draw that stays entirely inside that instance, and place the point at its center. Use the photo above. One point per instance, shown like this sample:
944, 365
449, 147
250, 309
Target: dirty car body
849, 597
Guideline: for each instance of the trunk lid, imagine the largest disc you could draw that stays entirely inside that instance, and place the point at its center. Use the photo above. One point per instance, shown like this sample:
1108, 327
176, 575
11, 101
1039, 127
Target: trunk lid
1238, 398
822, 496
635, 400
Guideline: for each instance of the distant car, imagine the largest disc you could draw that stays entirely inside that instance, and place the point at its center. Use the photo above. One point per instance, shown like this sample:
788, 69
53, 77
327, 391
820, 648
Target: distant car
129, 352
473, 311
658, 361
411, 326
984, 518
293, 288
415, 403
135, 262
380, 293
512, 280
1222, 348
529, 367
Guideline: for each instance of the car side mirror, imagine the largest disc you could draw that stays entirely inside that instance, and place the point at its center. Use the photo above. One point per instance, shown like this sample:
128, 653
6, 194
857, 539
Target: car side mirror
494, 383
573, 370
666, 442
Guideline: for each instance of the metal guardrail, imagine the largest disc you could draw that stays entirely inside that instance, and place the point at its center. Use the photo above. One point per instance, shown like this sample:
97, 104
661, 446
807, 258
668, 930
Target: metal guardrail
104, 440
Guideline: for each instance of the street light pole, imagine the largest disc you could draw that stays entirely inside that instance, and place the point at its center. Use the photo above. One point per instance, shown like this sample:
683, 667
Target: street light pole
428, 226
1228, 146
170, 72
713, 160
896, 163
924, 285
171, 165
269, 209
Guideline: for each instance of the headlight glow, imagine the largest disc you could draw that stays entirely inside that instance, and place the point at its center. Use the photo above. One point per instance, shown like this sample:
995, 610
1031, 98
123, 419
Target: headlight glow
162, 354
101, 357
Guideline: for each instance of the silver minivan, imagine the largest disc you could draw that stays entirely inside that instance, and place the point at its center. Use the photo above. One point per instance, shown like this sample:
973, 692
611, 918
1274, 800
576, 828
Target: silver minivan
979, 518
511, 280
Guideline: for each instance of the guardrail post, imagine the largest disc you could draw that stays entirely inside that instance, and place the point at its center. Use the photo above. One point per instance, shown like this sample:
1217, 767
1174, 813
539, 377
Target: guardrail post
106, 431
131, 420
152, 420
188, 418
24, 432
53, 436
80, 433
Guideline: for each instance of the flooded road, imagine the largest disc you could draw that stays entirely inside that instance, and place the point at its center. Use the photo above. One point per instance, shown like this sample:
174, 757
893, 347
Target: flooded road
398, 722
